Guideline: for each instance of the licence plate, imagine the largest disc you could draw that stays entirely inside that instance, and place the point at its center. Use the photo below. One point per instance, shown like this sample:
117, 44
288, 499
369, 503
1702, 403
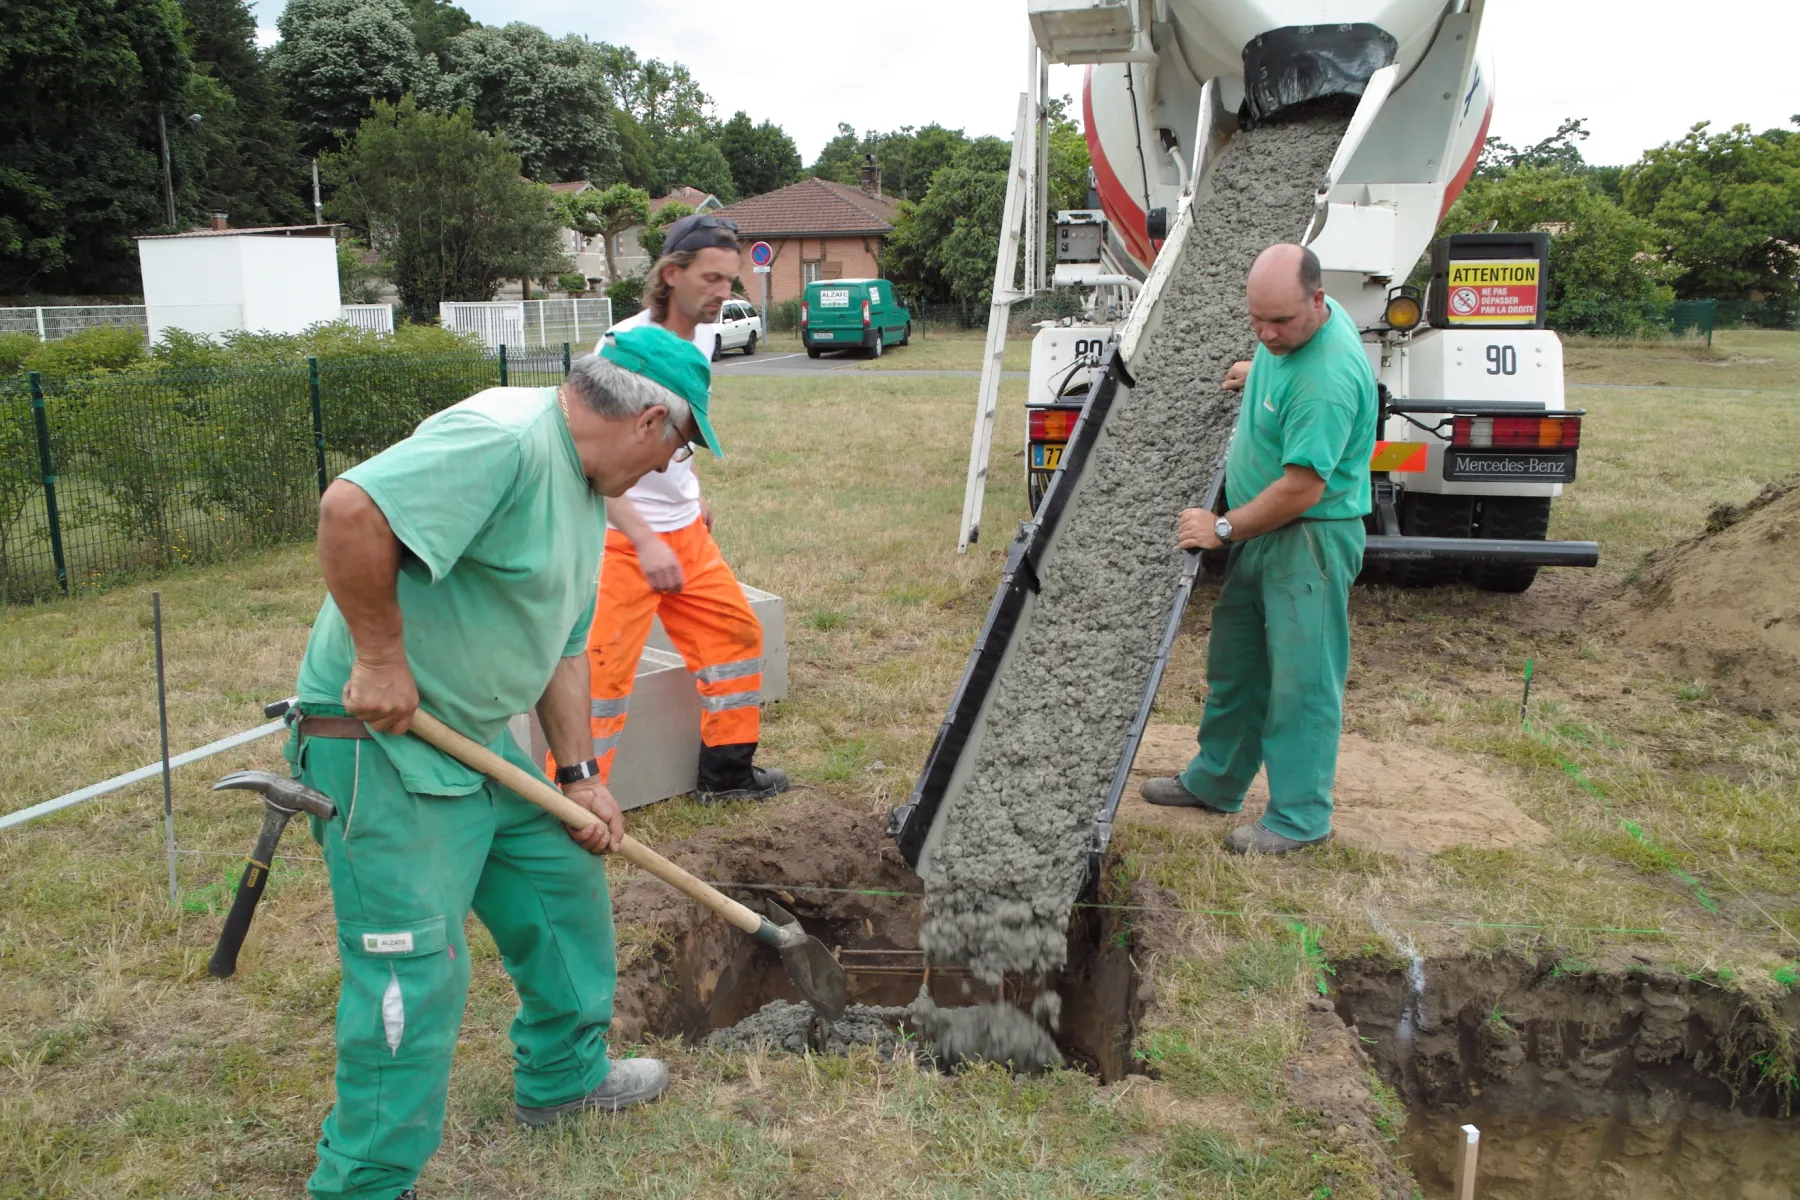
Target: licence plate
1046, 456
823, 337
1508, 467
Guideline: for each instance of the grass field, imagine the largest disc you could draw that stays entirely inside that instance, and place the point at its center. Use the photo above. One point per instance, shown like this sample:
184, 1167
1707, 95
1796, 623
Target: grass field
128, 1072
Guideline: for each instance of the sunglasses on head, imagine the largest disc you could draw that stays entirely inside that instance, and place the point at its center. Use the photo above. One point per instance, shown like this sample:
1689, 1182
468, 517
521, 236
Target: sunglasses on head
707, 225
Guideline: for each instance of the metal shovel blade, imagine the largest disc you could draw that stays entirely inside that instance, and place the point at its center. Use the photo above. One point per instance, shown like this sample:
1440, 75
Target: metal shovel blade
809, 964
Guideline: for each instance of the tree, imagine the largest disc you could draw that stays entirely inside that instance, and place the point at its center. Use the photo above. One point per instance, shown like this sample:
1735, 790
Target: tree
945, 246
1560, 150
335, 56
841, 157
434, 24
1730, 205
444, 203
637, 153
1069, 159
605, 214
253, 167
651, 237
1604, 277
661, 97
548, 96
694, 160
761, 157
79, 167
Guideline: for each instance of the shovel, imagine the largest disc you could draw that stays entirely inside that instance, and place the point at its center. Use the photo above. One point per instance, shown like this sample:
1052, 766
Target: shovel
809, 964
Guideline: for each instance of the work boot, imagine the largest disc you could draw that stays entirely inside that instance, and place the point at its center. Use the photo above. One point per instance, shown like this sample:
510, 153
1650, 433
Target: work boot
630, 1081
1171, 794
763, 783
1255, 839
726, 774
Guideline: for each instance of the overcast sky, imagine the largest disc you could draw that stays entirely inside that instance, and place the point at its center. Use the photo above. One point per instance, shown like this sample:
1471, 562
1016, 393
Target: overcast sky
1640, 71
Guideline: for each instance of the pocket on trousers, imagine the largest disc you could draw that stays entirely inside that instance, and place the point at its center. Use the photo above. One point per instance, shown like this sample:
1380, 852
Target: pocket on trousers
402, 990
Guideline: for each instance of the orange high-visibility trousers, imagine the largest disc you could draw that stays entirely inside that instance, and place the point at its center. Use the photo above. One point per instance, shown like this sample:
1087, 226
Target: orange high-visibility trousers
709, 622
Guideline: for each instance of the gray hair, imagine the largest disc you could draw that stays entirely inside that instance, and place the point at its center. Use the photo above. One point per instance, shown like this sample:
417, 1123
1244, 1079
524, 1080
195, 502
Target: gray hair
617, 394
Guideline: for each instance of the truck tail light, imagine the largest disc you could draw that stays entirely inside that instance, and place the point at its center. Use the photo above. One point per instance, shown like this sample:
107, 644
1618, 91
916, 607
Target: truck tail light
865, 314
1516, 433
803, 312
1051, 424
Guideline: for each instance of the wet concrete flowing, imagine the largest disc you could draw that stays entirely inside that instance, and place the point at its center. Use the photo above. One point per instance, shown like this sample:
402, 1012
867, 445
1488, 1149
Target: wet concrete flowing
1013, 847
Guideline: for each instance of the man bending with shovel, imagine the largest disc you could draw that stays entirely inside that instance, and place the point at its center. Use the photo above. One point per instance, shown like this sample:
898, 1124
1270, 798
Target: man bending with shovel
461, 564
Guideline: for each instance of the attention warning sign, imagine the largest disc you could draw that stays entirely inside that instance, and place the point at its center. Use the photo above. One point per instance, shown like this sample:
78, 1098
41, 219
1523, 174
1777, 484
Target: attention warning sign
1496, 292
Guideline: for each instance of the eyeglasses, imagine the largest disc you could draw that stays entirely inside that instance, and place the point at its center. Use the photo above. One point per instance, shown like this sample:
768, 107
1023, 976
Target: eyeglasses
705, 222
687, 448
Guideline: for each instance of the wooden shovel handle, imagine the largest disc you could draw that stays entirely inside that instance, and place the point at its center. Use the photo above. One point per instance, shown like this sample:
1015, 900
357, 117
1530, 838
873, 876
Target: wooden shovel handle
480, 758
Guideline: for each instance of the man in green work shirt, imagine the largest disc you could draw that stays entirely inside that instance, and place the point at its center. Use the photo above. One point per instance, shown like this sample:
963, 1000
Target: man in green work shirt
1297, 482
461, 564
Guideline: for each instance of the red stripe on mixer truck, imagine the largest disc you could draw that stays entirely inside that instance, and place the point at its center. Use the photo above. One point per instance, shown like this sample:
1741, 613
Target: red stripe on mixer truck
1467, 170
1115, 198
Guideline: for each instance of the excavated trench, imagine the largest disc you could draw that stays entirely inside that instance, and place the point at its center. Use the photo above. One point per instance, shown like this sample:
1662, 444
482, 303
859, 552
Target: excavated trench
685, 974
1640, 1082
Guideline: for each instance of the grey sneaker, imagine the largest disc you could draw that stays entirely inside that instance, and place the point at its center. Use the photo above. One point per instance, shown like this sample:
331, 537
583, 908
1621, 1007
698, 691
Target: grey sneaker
1171, 794
767, 781
1254, 839
631, 1081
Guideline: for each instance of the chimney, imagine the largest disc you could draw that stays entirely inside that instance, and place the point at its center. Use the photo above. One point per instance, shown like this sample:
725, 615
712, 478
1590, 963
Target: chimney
219, 220
871, 176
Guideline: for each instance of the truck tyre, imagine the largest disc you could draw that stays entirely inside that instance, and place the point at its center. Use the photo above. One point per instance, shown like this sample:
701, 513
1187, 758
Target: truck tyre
875, 347
1425, 515
1514, 518
812, 352
906, 335
750, 346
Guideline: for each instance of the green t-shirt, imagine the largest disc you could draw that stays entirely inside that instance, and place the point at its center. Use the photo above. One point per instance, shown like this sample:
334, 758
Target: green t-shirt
503, 537
1316, 408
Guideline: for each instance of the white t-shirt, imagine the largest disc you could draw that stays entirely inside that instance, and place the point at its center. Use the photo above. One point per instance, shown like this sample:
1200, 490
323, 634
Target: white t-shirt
668, 499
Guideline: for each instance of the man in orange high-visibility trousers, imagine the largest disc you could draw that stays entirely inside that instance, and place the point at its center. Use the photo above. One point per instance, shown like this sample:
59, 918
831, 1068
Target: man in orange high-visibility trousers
661, 559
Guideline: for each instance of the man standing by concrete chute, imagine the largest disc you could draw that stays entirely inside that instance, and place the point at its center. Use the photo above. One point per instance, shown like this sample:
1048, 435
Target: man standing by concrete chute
1297, 482
661, 559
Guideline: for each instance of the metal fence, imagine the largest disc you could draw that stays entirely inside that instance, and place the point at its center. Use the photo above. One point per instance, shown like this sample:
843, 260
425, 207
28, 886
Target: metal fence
540, 324
52, 322
106, 477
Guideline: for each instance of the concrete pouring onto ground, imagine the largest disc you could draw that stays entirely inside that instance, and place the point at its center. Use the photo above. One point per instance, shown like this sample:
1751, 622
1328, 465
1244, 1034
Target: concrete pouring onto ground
1013, 847
949, 1035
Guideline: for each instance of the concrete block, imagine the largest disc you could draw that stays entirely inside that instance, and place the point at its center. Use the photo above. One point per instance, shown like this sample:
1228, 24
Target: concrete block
660, 753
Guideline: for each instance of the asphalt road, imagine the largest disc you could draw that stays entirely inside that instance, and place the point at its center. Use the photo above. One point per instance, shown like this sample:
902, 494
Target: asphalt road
797, 363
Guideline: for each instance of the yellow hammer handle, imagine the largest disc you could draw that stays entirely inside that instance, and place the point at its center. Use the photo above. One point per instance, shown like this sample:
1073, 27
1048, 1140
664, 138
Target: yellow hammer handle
478, 757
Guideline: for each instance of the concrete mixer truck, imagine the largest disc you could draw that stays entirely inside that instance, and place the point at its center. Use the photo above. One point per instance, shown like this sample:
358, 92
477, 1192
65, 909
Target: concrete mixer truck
1476, 442
1217, 127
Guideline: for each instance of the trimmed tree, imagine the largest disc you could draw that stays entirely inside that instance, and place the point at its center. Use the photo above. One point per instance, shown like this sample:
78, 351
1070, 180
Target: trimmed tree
605, 214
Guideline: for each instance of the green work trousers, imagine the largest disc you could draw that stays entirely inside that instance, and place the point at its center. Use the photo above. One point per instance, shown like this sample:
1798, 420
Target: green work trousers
405, 871
1275, 668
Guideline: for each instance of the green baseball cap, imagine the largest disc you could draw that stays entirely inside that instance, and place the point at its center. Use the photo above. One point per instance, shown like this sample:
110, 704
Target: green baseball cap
674, 362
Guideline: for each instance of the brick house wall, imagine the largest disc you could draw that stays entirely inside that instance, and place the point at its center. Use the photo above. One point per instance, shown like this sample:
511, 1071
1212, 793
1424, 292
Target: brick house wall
800, 258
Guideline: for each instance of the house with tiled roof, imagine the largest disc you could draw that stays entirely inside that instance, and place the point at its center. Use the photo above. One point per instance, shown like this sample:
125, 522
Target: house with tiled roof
818, 229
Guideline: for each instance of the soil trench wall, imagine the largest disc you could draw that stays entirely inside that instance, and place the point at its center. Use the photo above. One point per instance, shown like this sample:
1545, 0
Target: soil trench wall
1011, 854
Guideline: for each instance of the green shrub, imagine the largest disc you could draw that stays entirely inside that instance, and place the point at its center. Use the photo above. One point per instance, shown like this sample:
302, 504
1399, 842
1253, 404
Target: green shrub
15, 348
783, 317
101, 348
627, 296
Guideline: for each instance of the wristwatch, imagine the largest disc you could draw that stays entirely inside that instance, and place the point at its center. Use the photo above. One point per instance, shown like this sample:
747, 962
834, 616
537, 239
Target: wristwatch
580, 771
1222, 527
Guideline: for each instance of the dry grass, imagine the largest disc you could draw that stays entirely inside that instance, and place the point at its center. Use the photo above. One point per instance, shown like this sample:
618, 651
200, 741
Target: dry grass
128, 1072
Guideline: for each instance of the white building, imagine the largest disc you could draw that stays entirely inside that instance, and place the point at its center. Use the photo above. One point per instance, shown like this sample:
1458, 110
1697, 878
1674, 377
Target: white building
276, 279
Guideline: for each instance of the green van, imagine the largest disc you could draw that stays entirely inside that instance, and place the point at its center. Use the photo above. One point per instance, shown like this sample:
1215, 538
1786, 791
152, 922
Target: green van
836, 314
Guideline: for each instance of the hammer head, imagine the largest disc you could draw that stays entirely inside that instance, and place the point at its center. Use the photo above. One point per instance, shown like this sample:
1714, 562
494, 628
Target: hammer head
280, 792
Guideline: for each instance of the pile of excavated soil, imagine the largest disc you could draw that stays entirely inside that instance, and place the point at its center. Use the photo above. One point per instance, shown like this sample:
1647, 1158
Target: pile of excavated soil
1013, 845
1725, 606
1390, 797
